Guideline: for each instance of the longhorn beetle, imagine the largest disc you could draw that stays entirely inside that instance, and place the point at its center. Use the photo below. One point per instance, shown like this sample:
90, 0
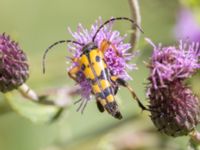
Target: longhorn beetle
92, 64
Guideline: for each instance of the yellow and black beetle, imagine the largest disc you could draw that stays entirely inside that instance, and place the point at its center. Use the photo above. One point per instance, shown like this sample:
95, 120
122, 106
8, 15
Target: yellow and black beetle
91, 63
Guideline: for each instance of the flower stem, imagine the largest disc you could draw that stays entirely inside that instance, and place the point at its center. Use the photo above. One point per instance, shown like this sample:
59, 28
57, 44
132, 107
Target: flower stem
30, 94
135, 15
195, 136
194, 140
27, 92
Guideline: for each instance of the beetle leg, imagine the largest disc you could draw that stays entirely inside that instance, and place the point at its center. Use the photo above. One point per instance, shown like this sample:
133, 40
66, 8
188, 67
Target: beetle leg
126, 85
73, 72
114, 78
105, 44
114, 85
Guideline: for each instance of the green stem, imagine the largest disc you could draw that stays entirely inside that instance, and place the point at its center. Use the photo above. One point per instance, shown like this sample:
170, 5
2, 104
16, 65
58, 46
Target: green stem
28, 92
135, 15
194, 140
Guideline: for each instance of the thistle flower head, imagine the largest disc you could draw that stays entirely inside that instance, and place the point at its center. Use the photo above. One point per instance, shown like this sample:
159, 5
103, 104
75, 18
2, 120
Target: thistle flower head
117, 64
174, 63
14, 69
175, 109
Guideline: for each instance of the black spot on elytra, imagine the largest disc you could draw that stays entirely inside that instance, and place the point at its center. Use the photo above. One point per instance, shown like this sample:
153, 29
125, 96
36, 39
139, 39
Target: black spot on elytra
83, 67
105, 93
98, 59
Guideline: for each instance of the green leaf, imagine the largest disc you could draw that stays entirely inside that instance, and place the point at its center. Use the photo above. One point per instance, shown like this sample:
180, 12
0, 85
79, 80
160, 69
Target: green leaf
37, 113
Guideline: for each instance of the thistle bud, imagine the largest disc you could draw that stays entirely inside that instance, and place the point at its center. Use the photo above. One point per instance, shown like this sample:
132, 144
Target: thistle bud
14, 69
175, 110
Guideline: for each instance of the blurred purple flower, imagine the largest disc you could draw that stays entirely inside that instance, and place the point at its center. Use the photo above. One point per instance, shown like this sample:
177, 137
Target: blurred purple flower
187, 26
175, 109
117, 64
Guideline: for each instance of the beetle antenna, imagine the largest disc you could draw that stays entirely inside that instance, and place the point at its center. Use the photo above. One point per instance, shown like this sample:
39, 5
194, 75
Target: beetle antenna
54, 44
114, 19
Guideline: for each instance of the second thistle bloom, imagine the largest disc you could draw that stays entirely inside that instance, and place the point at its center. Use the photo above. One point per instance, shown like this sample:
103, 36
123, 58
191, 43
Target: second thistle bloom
175, 109
14, 69
117, 64
173, 63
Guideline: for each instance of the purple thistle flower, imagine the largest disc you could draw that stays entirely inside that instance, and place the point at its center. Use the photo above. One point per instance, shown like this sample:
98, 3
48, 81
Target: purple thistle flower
14, 69
116, 64
174, 63
175, 110
187, 26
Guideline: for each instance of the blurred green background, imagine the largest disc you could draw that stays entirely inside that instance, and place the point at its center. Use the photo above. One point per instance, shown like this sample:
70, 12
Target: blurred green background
36, 24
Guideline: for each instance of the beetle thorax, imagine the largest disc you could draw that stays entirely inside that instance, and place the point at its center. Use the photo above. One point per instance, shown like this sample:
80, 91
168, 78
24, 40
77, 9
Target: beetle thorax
88, 47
